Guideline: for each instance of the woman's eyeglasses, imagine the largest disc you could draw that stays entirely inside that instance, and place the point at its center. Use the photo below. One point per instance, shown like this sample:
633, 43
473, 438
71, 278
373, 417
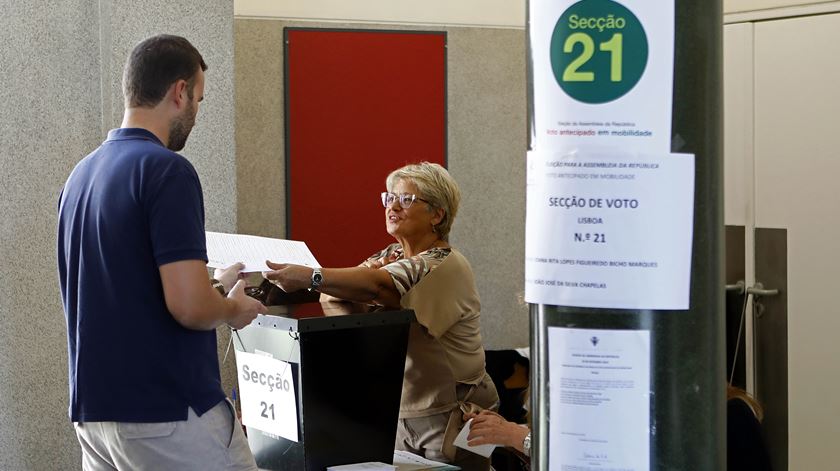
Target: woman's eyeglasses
405, 199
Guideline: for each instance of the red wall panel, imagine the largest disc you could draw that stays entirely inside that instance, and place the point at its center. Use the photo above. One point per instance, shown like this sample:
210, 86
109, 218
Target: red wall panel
359, 104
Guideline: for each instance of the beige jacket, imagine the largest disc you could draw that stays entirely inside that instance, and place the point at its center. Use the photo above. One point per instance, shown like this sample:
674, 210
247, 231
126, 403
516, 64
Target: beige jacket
444, 345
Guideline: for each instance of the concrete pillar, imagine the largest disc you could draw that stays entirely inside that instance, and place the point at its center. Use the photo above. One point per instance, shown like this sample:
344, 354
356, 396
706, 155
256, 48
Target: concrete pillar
60, 69
687, 397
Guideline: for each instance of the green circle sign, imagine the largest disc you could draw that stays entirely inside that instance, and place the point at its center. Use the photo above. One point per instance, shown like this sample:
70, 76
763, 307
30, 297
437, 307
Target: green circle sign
599, 51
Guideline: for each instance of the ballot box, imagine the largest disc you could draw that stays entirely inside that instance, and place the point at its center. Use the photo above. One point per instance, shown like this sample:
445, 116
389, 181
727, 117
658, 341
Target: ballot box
320, 384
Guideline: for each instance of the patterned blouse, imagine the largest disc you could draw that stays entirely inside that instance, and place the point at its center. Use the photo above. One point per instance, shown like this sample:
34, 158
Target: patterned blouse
407, 272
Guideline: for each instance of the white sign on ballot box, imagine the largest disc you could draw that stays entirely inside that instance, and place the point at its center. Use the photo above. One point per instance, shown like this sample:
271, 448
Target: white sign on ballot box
267, 394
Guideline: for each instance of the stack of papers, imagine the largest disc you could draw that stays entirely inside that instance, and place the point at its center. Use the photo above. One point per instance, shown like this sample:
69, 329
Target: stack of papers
223, 250
370, 466
405, 461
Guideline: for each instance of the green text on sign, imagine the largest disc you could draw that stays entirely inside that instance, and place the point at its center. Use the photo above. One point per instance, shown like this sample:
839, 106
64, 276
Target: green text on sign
599, 51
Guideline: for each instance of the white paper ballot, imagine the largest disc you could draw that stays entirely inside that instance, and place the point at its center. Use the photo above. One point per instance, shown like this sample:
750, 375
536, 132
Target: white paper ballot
370, 466
461, 442
407, 461
223, 250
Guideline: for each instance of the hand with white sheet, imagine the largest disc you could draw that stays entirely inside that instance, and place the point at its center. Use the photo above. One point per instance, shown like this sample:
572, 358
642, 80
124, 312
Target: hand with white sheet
246, 307
489, 427
229, 275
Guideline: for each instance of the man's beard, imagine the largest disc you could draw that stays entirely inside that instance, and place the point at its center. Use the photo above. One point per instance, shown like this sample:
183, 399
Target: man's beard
179, 129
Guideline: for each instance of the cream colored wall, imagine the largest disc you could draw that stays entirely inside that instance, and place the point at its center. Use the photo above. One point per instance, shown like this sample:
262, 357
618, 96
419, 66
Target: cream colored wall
739, 161
739, 6
781, 123
797, 163
738, 109
499, 13
503, 13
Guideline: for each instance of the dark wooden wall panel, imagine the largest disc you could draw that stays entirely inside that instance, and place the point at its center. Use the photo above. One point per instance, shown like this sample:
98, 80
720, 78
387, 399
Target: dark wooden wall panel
771, 341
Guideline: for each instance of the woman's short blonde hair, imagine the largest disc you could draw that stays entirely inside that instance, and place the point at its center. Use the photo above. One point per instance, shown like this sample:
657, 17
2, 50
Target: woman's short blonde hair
436, 186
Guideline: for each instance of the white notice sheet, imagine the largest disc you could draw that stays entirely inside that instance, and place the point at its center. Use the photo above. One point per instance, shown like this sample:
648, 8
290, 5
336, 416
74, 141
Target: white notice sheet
609, 230
599, 388
224, 250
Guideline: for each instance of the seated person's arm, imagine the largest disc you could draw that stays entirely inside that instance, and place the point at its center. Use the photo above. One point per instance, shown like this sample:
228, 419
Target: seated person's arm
373, 262
489, 427
358, 284
195, 304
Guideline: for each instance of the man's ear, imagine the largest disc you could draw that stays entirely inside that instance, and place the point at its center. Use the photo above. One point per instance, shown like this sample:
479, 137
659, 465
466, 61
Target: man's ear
180, 93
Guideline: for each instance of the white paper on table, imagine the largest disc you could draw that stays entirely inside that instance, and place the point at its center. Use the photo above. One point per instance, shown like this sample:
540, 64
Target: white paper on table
369, 466
267, 395
609, 230
407, 461
223, 250
461, 442
599, 393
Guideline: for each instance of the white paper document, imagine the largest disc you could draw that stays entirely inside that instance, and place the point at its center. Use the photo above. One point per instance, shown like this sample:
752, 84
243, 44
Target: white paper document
461, 442
609, 231
223, 250
584, 50
267, 395
369, 466
407, 461
599, 388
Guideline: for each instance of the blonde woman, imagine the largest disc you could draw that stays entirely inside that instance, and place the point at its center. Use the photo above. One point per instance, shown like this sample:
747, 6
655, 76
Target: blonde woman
444, 371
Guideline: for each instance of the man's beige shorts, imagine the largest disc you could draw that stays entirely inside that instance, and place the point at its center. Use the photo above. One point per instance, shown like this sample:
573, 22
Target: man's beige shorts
214, 441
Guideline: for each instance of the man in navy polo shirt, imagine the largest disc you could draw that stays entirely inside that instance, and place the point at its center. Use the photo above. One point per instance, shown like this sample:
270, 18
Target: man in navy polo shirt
145, 391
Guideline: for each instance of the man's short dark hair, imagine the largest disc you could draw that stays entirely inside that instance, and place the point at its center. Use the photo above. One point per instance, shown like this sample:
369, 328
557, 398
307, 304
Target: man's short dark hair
155, 64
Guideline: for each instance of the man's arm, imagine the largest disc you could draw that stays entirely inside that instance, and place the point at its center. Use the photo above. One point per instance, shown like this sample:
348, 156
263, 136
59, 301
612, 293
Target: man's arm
194, 303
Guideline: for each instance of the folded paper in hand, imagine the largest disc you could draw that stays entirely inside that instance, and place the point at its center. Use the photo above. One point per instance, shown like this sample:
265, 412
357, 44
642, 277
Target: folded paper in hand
461, 442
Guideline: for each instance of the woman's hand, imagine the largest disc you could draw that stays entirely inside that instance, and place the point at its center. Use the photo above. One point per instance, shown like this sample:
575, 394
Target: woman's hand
357, 284
289, 277
228, 276
489, 427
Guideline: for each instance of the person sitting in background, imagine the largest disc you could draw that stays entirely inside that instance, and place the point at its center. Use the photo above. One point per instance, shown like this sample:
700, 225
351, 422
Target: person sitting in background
445, 365
488, 427
745, 449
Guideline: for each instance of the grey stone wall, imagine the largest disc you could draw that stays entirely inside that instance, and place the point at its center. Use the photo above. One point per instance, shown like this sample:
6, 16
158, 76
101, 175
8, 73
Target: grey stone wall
60, 68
